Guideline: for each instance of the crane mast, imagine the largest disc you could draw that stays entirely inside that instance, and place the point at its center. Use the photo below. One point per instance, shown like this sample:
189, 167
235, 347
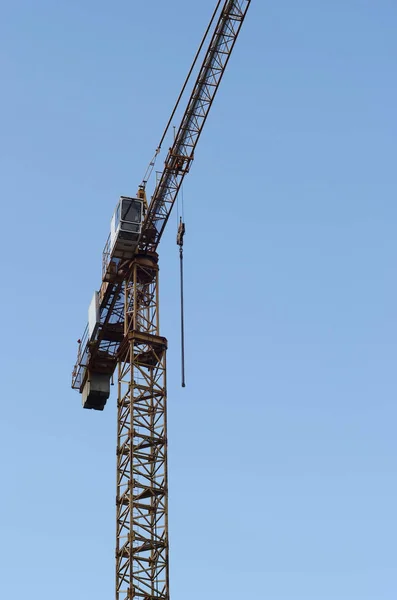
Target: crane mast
128, 340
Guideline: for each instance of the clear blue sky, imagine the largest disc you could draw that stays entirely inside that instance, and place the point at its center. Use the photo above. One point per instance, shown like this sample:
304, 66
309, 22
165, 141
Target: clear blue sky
283, 445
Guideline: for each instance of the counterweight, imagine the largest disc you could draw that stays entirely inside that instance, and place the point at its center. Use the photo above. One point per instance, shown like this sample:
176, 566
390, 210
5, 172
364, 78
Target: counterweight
127, 336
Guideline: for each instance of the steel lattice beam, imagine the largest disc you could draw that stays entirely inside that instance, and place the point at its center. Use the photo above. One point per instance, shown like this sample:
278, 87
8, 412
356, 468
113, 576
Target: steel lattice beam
142, 488
180, 156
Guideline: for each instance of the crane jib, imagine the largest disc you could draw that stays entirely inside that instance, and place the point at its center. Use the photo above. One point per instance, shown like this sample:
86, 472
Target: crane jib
181, 154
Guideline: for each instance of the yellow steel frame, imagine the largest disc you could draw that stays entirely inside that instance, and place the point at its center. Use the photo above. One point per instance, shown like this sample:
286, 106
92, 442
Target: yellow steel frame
142, 486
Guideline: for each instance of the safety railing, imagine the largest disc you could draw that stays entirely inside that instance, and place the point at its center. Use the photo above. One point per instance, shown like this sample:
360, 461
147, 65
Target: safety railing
81, 362
106, 257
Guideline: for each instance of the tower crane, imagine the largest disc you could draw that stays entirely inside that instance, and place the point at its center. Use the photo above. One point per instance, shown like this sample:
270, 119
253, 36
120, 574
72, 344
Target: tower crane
123, 334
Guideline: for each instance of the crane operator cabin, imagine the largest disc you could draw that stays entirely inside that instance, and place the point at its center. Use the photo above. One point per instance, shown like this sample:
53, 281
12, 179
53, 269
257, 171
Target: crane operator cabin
125, 231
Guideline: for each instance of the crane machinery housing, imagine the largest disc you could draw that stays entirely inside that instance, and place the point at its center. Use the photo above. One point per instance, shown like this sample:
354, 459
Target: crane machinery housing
123, 335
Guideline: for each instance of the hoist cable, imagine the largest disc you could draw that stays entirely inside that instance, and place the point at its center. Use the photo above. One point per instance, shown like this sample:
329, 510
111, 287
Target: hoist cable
182, 320
179, 241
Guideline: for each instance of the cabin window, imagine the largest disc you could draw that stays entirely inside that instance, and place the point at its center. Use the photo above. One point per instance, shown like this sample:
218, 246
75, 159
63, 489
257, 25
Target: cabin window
131, 215
131, 211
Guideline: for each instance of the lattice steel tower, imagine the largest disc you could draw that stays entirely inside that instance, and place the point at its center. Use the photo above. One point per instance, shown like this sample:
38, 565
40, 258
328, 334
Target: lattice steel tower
123, 334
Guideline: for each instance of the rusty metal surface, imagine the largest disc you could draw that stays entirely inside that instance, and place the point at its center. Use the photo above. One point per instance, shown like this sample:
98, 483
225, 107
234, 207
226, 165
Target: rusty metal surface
142, 487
